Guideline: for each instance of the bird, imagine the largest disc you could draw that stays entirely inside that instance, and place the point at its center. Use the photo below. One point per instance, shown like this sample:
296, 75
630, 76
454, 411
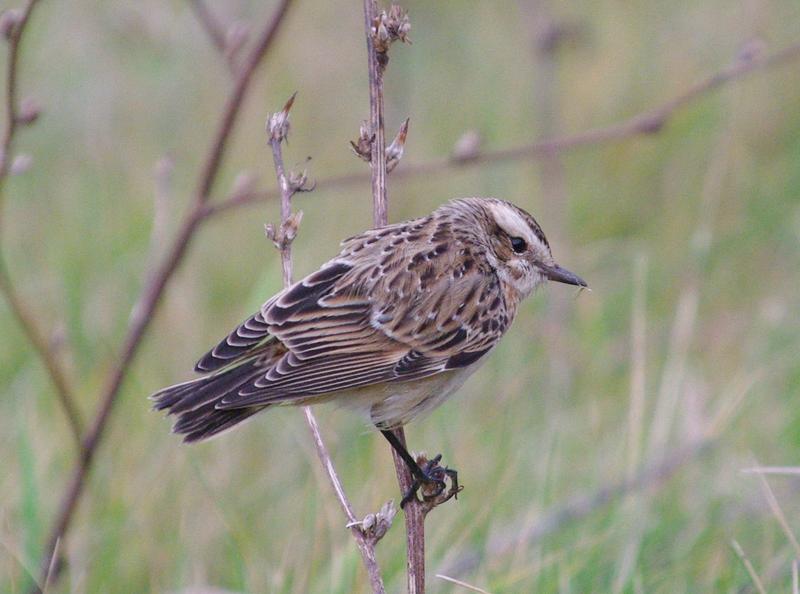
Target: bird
392, 326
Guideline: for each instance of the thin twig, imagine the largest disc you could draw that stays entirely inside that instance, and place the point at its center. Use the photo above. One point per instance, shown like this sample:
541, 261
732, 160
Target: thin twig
380, 207
776, 510
231, 110
462, 584
413, 511
214, 29
51, 571
226, 42
277, 130
737, 548
648, 122
150, 297
27, 320
792, 470
365, 544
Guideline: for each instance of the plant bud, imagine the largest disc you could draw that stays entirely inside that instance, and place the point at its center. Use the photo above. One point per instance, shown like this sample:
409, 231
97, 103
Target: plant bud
21, 164
467, 147
362, 146
29, 111
394, 152
9, 20
278, 123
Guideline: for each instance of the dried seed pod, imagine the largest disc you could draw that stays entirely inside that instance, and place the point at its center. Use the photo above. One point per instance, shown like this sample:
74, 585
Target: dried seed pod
394, 152
362, 146
278, 123
29, 111
9, 19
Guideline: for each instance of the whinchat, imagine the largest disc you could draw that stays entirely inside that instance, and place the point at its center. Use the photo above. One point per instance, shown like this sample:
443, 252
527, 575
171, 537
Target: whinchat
392, 325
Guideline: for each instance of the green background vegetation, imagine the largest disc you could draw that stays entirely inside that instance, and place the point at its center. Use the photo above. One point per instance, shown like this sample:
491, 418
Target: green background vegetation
700, 221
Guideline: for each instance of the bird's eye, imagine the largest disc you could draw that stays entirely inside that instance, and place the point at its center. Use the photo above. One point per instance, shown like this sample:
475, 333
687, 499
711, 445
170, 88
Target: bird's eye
518, 244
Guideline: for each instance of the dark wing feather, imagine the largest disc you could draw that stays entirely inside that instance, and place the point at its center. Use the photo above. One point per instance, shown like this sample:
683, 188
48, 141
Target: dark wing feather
342, 334
255, 329
248, 335
391, 316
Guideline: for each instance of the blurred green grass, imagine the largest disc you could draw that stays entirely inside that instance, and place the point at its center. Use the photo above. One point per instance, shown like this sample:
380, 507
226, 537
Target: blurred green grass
125, 84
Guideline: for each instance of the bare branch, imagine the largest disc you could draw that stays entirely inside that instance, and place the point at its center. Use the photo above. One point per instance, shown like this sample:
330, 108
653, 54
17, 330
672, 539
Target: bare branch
150, 297
776, 510
415, 512
377, 157
749, 567
277, 132
214, 29
20, 113
366, 537
377, 34
648, 122
232, 107
228, 42
462, 584
788, 470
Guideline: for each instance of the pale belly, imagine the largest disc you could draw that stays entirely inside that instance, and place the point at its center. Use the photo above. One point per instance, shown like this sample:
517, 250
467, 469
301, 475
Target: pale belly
394, 404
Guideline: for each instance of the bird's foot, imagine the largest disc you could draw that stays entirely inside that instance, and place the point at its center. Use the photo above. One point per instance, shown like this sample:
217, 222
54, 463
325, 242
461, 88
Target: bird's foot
430, 483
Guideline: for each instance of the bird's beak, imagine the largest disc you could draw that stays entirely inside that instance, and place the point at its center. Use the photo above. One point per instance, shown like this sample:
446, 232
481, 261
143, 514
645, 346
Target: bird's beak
562, 275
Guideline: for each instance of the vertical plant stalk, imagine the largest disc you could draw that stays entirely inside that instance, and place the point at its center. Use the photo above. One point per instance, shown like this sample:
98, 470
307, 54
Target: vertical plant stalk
213, 28
277, 131
413, 511
380, 199
15, 24
150, 297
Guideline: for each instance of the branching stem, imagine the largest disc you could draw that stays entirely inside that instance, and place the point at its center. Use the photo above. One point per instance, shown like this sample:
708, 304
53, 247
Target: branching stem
277, 130
26, 319
145, 308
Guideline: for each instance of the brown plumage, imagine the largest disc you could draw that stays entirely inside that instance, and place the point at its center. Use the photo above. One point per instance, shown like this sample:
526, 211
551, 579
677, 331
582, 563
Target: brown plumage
392, 325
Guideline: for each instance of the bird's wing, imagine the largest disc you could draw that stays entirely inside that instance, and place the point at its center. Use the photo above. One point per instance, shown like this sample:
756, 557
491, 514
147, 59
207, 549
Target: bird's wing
345, 326
247, 337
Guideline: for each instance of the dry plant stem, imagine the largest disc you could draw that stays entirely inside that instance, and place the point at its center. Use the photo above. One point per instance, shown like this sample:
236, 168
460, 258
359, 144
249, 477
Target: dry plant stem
216, 32
413, 512
26, 319
378, 155
366, 546
759, 585
231, 110
648, 122
214, 29
151, 294
286, 209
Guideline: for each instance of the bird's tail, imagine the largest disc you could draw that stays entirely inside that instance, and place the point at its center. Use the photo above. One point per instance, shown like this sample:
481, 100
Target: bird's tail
195, 402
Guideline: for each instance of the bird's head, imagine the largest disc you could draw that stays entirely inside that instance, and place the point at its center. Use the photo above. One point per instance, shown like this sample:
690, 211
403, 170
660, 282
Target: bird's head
517, 247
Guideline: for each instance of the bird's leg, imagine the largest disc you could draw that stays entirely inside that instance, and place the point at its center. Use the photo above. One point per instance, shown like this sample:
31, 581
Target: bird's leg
430, 477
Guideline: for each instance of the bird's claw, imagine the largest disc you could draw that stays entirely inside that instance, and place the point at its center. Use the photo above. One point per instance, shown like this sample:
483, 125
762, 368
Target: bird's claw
431, 483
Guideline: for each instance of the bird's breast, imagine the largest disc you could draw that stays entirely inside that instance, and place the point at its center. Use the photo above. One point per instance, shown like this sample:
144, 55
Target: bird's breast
391, 405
